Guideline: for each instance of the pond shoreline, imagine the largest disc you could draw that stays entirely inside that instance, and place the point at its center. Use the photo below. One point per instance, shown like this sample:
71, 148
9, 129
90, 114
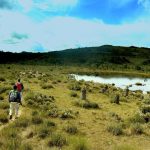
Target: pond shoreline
113, 73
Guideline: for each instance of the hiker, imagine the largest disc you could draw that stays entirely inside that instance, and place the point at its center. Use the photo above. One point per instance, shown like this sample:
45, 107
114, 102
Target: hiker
83, 93
20, 88
14, 100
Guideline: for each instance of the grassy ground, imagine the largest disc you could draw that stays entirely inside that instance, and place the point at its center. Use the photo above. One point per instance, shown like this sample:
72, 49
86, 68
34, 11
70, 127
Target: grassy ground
54, 117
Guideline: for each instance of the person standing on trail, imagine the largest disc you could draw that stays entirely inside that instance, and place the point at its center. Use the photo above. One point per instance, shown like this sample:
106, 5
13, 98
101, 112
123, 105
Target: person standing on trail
14, 100
20, 87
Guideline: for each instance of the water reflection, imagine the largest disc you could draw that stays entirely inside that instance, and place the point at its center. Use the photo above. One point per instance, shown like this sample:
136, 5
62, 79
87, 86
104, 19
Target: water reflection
135, 83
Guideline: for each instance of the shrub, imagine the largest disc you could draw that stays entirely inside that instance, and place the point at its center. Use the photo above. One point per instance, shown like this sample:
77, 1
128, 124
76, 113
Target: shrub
137, 118
2, 79
71, 129
53, 113
66, 114
4, 89
4, 105
3, 118
50, 124
22, 123
47, 86
75, 86
43, 133
136, 129
37, 120
145, 109
86, 104
80, 144
1, 97
35, 113
57, 140
73, 94
26, 147
115, 129
147, 101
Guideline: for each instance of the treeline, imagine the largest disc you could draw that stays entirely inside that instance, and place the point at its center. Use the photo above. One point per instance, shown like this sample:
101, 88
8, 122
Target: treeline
106, 54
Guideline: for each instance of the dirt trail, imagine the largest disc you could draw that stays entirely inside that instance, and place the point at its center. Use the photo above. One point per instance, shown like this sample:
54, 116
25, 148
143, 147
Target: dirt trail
12, 120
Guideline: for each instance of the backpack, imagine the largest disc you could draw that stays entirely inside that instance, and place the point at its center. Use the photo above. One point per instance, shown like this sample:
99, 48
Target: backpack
19, 87
13, 96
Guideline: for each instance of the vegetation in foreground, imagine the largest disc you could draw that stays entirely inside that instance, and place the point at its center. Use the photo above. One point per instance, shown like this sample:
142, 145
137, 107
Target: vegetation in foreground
54, 117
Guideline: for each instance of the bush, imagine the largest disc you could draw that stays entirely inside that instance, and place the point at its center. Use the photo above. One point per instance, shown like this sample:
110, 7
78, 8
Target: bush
3, 118
57, 140
145, 109
43, 133
50, 124
1, 98
2, 79
136, 129
137, 118
86, 104
115, 129
75, 86
67, 114
47, 86
80, 144
147, 101
37, 120
4, 105
4, 89
71, 129
53, 113
22, 123
73, 94
26, 147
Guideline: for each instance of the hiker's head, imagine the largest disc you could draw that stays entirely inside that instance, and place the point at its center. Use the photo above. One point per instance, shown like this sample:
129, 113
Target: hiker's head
18, 80
15, 87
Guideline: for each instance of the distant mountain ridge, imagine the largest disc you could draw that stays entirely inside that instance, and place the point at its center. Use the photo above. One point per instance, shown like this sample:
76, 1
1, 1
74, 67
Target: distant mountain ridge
81, 56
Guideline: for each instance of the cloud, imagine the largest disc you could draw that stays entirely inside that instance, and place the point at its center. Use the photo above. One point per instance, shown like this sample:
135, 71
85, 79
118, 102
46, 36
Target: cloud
145, 4
47, 5
19, 36
21, 33
5, 4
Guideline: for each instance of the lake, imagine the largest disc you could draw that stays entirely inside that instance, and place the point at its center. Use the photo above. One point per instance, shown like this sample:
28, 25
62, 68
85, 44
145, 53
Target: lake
120, 82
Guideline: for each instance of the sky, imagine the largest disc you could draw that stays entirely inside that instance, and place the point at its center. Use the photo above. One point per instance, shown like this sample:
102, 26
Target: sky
49, 25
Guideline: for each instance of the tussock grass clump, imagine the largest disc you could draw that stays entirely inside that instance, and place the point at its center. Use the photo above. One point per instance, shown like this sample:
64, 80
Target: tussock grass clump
147, 101
44, 132
50, 124
38, 100
4, 89
37, 120
47, 86
1, 98
22, 123
137, 118
2, 79
66, 114
57, 140
74, 86
145, 109
53, 113
71, 129
115, 116
115, 129
136, 128
86, 104
26, 147
80, 144
4, 105
3, 118
73, 94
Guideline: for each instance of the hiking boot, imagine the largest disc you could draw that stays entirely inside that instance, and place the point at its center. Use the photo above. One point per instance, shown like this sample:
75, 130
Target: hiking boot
10, 117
